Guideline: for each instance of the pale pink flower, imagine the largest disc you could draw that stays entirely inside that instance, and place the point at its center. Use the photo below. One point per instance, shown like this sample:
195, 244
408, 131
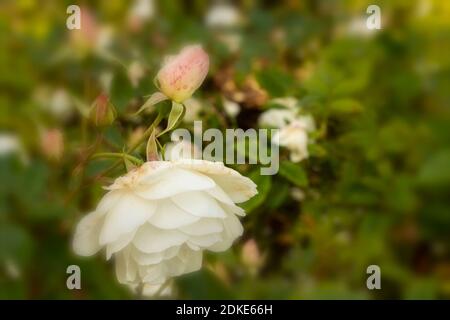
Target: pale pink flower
182, 74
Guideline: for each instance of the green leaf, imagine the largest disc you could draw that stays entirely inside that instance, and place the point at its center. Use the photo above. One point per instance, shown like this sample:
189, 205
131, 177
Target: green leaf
202, 285
346, 106
154, 99
16, 244
436, 171
175, 116
152, 148
294, 173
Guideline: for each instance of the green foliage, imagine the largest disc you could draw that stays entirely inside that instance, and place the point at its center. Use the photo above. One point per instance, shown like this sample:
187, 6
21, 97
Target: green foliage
374, 189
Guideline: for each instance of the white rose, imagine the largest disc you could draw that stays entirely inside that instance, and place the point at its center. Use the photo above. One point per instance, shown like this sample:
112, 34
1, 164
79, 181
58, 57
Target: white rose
231, 108
277, 118
157, 219
294, 136
11, 144
293, 133
223, 16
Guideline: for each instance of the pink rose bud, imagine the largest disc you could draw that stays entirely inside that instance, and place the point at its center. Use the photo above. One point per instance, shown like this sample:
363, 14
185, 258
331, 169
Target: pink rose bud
181, 75
102, 111
52, 144
251, 256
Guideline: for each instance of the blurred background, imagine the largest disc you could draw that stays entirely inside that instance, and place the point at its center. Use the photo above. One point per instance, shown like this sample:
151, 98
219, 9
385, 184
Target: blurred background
374, 189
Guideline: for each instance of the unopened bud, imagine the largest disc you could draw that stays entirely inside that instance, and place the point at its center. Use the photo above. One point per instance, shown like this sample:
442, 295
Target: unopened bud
251, 256
102, 111
52, 144
182, 74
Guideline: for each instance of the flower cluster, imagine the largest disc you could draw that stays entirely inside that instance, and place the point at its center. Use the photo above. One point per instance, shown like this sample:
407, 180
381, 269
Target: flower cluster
294, 128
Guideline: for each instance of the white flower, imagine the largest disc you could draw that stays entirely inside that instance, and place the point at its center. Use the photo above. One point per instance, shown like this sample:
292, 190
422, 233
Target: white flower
136, 71
223, 15
297, 194
294, 129
294, 136
231, 108
10, 144
277, 118
55, 101
142, 9
157, 219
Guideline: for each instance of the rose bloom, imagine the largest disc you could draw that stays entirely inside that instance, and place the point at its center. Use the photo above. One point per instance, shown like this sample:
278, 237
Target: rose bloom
182, 74
293, 133
294, 136
157, 219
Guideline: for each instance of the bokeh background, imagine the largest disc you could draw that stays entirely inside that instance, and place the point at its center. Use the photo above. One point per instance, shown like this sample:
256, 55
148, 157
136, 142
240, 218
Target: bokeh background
374, 190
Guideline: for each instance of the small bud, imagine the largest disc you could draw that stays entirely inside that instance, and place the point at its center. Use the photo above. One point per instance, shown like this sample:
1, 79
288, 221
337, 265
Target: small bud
182, 74
102, 111
136, 71
251, 256
52, 144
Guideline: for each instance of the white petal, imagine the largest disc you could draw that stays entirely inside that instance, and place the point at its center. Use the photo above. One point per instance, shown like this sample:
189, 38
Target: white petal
234, 209
153, 274
193, 246
202, 227
126, 269
127, 215
170, 216
199, 204
232, 229
151, 239
109, 200
186, 261
192, 260
151, 289
143, 258
119, 244
238, 187
220, 195
174, 267
175, 181
206, 240
86, 241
